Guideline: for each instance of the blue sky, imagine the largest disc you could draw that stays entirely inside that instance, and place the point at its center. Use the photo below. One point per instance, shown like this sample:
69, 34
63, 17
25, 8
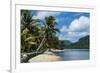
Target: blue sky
72, 25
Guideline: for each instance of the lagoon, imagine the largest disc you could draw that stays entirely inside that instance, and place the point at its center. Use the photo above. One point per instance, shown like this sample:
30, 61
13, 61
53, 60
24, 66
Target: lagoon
75, 54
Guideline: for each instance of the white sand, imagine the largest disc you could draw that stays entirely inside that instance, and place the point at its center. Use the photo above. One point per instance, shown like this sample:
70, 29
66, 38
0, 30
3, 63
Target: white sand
45, 58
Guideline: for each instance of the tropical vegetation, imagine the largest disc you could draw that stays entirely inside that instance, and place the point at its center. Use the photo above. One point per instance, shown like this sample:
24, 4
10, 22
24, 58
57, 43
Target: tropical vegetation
38, 35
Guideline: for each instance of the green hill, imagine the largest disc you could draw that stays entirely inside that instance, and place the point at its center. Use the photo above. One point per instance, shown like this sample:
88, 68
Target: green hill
83, 43
64, 43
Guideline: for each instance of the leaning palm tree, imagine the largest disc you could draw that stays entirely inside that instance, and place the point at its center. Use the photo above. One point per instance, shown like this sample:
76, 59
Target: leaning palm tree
31, 33
49, 30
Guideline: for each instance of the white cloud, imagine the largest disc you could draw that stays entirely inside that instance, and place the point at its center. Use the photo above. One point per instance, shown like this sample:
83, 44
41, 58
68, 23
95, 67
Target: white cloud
80, 24
64, 29
78, 34
73, 36
77, 25
43, 14
77, 29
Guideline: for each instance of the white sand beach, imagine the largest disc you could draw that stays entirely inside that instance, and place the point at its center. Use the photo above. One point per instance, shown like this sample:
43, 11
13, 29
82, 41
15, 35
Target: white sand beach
45, 58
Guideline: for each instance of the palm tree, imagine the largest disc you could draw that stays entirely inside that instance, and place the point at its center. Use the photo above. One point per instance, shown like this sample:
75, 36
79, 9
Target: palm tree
29, 31
27, 40
34, 36
49, 31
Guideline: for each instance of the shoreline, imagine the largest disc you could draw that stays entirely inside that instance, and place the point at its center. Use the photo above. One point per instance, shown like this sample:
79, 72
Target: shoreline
49, 56
45, 58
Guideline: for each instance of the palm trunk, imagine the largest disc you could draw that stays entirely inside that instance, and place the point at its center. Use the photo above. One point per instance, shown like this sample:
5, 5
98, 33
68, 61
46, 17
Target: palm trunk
41, 44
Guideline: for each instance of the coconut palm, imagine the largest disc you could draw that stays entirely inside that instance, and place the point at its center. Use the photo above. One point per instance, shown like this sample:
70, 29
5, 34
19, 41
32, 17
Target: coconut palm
27, 40
29, 32
49, 31
34, 36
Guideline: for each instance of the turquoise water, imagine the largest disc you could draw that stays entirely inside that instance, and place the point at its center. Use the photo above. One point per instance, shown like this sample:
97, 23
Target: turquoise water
75, 54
